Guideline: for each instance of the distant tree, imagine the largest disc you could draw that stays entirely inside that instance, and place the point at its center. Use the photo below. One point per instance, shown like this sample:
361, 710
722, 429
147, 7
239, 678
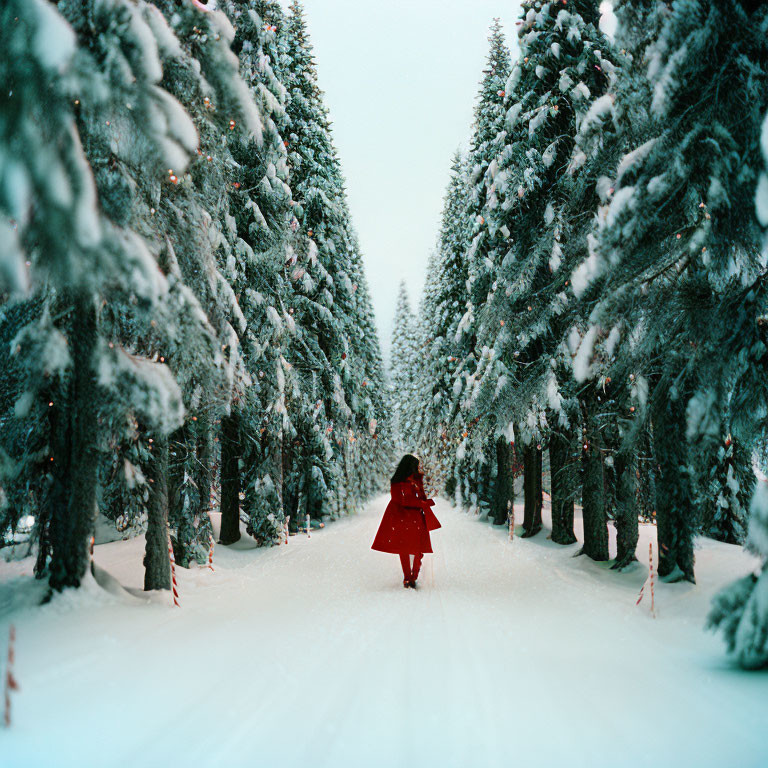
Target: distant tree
403, 377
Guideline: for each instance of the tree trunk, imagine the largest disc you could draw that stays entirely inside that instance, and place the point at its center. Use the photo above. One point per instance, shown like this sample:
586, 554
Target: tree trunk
532, 489
627, 528
562, 491
675, 515
230, 478
279, 474
75, 454
504, 489
157, 564
593, 501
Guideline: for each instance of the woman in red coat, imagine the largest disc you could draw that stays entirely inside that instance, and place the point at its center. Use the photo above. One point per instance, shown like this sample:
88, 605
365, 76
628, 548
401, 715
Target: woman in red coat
407, 521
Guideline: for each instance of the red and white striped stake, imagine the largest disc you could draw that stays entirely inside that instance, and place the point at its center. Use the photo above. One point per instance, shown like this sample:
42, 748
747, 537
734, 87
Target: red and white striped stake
286, 525
210, 554
649, 580
174, 586
511, 519
307, 525
10, 680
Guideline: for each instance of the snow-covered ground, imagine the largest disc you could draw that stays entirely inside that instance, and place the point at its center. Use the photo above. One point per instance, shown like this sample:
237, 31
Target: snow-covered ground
313, 654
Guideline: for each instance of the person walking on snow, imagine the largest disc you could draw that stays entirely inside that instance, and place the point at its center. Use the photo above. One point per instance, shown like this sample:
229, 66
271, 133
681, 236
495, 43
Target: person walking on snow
408, 519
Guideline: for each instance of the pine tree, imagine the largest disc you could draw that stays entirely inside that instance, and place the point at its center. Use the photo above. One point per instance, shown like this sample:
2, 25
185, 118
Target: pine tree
477, 456
613, 124
668, 236
253, 430
374, 412
725, 497
146, 132
335, 302
403, 373
76, 252
565, 62
740, 611
443, 307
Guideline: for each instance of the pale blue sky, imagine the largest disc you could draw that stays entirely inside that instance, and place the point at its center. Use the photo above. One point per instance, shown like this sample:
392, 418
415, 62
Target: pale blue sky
400, 78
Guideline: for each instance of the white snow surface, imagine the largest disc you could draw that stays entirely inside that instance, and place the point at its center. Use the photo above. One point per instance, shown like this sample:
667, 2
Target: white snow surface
313, 654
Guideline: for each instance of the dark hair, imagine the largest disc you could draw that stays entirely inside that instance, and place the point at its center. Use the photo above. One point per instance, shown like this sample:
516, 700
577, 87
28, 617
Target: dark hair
409, 465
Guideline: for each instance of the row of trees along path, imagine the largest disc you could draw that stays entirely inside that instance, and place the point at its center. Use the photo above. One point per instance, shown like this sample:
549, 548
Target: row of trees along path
183, 297
598, 291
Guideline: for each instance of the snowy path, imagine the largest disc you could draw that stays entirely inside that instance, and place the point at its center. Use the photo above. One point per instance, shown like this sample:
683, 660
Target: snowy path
313, 655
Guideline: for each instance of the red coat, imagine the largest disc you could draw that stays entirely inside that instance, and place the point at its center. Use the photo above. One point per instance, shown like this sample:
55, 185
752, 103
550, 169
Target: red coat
407, 521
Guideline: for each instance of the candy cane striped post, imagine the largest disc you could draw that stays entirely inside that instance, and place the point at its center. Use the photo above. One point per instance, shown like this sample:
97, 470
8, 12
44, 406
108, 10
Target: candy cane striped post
203, 7
511, 519
10, 680
210, 553
286, 525
308, 525
174, 585
649, 580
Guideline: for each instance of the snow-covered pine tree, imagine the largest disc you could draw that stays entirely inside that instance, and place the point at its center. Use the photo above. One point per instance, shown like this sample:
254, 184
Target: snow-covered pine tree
610, 372
331, 305
254, 429
404, 355
204, 74
675, 261
477, 454
565, 64
740, 611
75, 254
725, 493
373, 413
147, 131
426, 334
444, 306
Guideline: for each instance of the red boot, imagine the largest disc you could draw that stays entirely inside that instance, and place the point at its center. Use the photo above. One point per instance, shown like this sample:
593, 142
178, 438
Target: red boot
415, 568
405, 561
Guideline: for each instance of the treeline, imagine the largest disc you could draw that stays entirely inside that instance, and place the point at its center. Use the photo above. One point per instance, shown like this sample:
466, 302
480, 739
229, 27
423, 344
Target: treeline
184, 307
599, 288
